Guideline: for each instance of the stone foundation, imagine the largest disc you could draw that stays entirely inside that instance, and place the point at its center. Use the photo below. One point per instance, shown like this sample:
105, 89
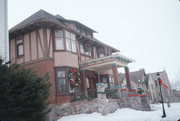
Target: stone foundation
127, 99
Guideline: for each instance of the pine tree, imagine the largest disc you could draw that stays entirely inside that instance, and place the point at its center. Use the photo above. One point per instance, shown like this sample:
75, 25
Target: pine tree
23, 95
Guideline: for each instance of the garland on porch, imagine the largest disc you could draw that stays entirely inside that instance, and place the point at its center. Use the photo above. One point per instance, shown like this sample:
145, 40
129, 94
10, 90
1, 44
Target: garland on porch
74, 78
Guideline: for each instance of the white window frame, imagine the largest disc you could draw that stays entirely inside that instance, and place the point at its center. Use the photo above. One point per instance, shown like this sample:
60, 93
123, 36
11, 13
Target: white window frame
70, 41
59, 41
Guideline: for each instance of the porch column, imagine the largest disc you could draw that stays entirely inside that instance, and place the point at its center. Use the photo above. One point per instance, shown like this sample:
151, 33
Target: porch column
115, 75
84, 81
127, 77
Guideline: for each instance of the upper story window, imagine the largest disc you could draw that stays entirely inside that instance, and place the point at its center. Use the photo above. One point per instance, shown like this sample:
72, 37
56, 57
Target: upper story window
89, 34
108, 51
59, 41
70, 41
20, 46
101, 52
81, 47
86, 48
88, 53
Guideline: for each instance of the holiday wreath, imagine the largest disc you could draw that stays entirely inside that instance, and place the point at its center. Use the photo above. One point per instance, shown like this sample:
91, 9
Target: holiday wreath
74, 78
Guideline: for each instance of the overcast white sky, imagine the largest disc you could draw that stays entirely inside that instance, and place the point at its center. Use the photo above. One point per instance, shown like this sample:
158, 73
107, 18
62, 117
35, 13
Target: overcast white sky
146, 30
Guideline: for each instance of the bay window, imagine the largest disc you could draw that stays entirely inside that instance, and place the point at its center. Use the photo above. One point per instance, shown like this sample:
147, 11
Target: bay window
73, 41
70, 41
59, 41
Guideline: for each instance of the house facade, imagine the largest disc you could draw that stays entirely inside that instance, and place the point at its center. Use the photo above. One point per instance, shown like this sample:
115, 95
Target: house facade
149, 83
138, 79
3, 30
67, 51
154, 87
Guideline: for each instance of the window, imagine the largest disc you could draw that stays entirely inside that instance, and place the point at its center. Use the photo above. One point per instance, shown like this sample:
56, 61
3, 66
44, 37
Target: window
61, 81
104, 80
85, 49
70, 41
73, 40
81, 48
88, 53
108, 51
20, 47
101, 52
59, 41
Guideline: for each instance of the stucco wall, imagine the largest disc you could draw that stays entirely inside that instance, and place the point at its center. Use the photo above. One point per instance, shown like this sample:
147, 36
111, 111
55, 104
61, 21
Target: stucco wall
65, 59
35, 46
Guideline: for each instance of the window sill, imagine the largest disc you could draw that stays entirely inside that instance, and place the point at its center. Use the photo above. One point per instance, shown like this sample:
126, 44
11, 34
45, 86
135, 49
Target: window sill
63, 94
20, 56
65, 51
86, 55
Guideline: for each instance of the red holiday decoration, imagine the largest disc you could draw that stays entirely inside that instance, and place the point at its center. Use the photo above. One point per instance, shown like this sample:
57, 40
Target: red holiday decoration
161, 82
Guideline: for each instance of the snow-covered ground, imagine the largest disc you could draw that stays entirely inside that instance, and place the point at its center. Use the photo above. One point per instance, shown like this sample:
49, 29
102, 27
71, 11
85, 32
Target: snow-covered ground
126, 114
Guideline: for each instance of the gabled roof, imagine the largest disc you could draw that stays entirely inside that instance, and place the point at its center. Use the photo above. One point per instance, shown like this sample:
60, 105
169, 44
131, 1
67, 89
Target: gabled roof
134, 76
75, 22
39, 15
57, 21
163, 76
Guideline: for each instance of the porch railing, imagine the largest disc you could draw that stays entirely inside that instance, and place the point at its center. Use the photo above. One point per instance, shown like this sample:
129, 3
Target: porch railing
83, 95
112, 93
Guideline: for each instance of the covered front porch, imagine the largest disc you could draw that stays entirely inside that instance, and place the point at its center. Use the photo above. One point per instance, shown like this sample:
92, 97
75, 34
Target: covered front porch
104, 70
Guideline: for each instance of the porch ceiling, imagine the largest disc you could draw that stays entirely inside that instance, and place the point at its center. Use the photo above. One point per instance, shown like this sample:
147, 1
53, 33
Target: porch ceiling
105, 63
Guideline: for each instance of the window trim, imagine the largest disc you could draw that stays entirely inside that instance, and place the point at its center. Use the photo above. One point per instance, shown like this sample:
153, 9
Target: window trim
99, 52
19, 44
64, 47
70, 38
66, 69
84, 54
58, 93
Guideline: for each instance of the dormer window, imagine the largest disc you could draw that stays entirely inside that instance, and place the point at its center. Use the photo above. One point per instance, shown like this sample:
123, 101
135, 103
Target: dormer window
20, 46
59, 41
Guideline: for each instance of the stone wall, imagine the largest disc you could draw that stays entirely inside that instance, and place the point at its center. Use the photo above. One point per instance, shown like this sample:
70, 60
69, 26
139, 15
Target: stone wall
127, 99
72, 108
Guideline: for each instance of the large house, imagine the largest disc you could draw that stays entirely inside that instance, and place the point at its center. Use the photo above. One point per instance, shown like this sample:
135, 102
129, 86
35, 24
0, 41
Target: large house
67, 51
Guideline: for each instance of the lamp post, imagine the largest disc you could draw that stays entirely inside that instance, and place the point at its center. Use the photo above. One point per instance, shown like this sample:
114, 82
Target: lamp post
158, 78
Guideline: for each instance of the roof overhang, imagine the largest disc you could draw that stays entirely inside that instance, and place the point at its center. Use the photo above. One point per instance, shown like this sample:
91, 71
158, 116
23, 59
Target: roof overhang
106, 63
